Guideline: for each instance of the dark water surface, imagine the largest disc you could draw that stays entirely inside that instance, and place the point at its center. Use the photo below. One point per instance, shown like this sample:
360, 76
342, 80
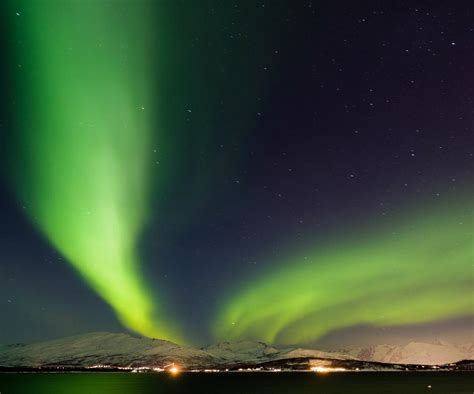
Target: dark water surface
271, 383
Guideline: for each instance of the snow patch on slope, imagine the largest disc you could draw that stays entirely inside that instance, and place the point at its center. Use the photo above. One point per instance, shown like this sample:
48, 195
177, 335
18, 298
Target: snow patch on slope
440, 352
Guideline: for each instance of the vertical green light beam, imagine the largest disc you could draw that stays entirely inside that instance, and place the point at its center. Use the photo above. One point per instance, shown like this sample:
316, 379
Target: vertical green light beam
85, 141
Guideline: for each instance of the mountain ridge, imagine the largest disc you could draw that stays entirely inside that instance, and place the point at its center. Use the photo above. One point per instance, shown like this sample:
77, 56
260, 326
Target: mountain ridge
123, 350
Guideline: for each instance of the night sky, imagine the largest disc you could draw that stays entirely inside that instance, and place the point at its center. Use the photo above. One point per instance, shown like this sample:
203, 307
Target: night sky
296, 172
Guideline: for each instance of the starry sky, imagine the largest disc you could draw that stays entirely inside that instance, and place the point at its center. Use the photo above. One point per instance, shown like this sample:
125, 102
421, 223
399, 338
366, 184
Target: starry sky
292, 172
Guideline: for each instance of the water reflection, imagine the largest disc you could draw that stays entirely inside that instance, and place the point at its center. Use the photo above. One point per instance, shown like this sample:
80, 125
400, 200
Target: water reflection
229, 383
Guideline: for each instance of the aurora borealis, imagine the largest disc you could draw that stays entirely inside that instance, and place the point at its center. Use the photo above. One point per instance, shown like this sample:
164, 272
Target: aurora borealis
413, 273
203, 172
84, 153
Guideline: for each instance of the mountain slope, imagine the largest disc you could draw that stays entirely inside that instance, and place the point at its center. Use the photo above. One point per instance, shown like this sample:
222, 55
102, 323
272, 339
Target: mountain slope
118, 350
437, 353
127, 351
242, 352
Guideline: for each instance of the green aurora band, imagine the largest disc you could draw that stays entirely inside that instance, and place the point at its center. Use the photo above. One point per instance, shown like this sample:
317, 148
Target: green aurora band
415, 270
85, 142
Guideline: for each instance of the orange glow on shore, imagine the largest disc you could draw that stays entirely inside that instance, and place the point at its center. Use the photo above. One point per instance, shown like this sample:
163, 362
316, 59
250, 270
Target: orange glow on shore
327, 369
174, 370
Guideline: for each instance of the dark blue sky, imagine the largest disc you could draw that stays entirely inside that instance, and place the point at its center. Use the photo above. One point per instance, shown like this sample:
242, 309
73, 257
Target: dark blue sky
308, 119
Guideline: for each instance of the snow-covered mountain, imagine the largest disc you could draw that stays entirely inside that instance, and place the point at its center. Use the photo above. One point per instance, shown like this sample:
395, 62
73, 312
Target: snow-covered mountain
241, 352
102, 348
127, 351
257, 352
440, 352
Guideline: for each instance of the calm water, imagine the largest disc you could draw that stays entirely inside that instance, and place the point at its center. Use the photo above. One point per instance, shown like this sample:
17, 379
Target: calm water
271, 383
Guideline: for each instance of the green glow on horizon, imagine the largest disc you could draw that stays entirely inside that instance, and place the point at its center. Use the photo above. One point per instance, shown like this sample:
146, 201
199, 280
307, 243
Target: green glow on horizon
85, 144
415, 271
